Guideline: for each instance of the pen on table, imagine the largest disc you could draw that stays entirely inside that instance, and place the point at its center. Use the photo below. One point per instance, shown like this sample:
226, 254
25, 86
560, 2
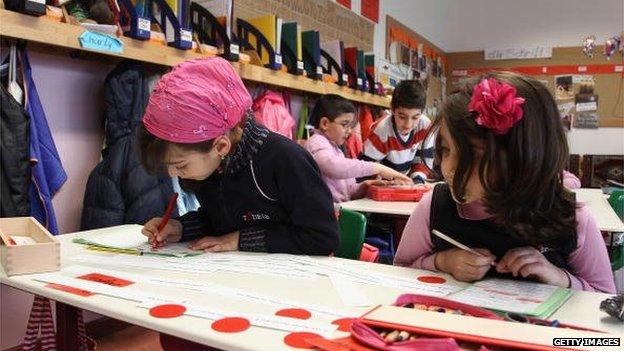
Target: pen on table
457, 244
165, 219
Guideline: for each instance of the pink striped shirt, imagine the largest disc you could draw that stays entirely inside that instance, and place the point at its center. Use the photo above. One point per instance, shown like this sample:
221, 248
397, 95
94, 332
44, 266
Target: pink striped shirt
589, 264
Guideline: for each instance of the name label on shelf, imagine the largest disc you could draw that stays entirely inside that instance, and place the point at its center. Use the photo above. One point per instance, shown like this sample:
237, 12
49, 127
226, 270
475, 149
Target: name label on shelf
319, 70
100, 42
359, 81
278, 59
345, 77
144, 24
234, 49
186, 35
42, 2
299, 64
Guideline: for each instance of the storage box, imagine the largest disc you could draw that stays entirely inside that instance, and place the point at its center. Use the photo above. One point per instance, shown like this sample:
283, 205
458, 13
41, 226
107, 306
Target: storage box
19, 256
397, 193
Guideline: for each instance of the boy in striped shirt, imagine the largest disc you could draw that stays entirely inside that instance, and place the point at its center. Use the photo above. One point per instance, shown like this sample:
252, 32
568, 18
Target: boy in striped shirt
400, 142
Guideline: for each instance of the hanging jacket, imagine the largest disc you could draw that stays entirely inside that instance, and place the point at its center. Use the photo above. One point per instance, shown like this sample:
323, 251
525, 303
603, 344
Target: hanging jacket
119, 190
48, 174
15, 157
271, 111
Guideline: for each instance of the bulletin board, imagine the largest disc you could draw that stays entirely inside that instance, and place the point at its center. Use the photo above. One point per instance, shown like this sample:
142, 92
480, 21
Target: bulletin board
607, 75
398, 32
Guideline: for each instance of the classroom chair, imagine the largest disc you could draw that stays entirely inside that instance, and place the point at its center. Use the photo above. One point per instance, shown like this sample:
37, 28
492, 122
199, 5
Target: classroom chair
352, 232
616, 200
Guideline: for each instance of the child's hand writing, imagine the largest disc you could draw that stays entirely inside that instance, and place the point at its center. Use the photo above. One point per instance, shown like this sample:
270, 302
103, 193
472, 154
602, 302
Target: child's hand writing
528, 262
463, 265
172, 232
227, 242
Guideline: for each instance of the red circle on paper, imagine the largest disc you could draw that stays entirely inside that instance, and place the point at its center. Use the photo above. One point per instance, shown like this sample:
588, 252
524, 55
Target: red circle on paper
298, 340
431, 279
344, 324
167, 311
231, 325
298, 313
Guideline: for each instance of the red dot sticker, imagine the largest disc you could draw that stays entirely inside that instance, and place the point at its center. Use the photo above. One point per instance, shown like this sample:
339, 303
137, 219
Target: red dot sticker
297, 313
167, 311
298, 340
231, 325
344, 324
431, 279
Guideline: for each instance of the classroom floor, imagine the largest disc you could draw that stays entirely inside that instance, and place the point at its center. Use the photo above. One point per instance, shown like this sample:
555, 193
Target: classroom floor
133, 338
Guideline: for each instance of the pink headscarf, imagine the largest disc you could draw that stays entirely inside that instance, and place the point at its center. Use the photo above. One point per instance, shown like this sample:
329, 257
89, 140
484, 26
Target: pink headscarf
197, 101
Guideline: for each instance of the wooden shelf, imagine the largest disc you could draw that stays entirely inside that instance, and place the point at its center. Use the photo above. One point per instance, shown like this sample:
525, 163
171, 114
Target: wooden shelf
47, 32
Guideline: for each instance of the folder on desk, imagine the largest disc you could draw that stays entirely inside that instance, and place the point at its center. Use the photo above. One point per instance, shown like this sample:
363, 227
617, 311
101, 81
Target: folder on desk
271, 27
128, 239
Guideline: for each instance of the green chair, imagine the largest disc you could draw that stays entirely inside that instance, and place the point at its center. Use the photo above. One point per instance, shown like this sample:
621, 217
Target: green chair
616, 200
352, 233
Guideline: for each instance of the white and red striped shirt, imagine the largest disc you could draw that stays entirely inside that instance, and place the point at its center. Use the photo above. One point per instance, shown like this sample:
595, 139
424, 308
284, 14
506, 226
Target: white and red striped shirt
411, 154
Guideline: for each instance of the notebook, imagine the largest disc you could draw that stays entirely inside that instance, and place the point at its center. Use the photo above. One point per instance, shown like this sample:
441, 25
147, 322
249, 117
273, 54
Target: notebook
528, 298
312, 51
128, 239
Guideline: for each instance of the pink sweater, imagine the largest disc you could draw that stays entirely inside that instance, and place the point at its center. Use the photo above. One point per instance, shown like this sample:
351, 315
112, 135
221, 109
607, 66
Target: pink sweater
338, 172
589, 264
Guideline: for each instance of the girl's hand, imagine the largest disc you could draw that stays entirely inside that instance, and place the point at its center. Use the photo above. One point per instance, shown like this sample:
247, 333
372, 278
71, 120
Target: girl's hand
528, 262
463, 265
227, 242
390, 174
172, 232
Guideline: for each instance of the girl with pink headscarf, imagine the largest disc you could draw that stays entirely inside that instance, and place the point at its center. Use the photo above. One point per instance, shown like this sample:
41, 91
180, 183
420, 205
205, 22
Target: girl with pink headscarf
258, 191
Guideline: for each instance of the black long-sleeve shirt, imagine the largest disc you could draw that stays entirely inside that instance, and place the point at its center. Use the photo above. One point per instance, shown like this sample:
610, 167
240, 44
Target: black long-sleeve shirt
276, 199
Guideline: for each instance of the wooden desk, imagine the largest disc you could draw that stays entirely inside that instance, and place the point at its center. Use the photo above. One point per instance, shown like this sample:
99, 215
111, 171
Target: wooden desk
398, 208
600, 208
594, 199
582, 308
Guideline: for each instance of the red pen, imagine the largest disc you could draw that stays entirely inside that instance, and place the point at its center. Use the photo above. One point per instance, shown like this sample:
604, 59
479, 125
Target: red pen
165, 219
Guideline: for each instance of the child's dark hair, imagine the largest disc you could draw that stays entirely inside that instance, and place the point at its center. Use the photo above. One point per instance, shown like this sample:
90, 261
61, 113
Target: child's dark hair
409, 94
330, 106
153, 150
521, 171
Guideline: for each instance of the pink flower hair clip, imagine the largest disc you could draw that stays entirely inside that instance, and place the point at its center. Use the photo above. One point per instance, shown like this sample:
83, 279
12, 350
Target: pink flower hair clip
497, 106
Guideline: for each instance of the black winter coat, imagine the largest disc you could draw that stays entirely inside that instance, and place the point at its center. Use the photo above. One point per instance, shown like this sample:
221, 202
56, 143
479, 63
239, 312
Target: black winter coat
119, 190
15, 157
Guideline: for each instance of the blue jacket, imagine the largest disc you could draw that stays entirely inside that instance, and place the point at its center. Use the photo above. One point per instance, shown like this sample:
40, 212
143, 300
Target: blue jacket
119, 190
48, 174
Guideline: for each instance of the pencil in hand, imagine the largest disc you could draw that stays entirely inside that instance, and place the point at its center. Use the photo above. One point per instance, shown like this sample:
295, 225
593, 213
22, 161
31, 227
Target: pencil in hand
165, 219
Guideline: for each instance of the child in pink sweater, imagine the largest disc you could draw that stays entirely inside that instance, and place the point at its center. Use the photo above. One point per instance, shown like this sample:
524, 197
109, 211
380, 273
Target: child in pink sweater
502, 149
332, 118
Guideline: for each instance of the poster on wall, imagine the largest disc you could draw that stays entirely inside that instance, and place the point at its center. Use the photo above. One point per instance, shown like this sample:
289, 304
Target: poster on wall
564, 89
584, 97
370, 10
587, 120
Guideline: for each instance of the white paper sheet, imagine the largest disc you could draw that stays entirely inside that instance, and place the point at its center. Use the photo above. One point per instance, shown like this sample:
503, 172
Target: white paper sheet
350, 293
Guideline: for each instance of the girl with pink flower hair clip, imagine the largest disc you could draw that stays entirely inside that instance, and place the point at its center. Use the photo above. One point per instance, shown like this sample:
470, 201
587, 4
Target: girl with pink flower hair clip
502, 150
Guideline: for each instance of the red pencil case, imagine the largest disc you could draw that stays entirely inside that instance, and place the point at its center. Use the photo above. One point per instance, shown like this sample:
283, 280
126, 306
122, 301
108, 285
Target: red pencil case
375, 337
397, 193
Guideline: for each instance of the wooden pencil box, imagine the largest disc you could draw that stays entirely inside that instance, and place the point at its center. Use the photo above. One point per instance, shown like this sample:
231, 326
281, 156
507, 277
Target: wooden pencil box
27, 247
